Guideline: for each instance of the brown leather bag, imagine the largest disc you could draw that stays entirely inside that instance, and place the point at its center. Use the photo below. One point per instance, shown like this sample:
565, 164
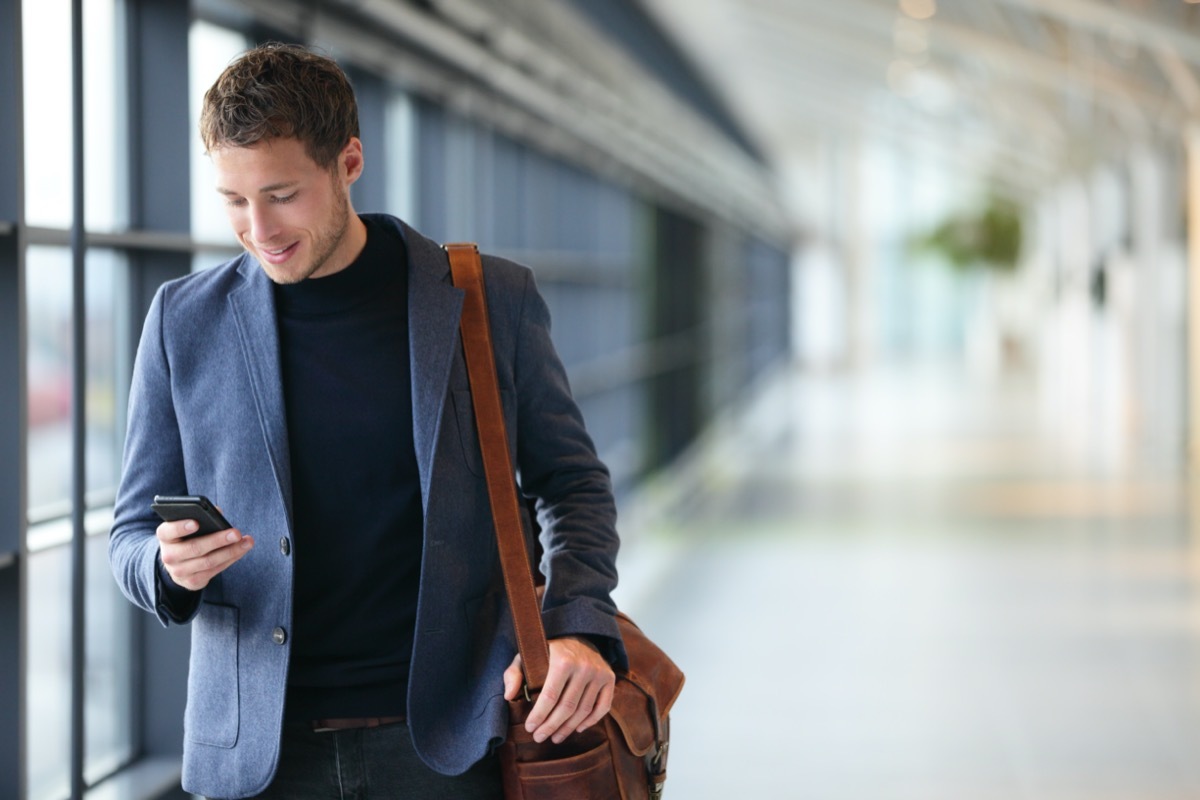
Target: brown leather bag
624, 757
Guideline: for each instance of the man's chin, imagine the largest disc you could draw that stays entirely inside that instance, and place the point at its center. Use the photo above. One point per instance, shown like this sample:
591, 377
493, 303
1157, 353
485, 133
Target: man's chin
280, 275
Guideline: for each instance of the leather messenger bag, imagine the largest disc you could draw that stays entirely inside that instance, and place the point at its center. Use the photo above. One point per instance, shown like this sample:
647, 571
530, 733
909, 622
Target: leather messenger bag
624, 757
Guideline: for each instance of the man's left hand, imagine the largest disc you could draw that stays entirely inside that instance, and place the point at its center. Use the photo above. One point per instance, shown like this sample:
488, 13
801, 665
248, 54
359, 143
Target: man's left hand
578, 691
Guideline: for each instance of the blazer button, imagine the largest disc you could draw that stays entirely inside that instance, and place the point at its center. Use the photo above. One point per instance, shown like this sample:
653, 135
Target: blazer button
285, 546
279, 636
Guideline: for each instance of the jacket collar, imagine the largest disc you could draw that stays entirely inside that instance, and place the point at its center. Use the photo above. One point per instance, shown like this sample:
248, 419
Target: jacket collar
434, 308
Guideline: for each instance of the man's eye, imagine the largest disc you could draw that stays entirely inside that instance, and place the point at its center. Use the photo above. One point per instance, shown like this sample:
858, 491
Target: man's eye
236, 202
287, 199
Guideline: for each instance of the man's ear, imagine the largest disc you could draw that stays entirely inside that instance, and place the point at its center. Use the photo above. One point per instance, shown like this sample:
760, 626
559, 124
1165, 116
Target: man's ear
350, 160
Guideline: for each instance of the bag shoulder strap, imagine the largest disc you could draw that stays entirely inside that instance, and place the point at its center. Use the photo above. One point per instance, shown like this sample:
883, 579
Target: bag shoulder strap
466, 270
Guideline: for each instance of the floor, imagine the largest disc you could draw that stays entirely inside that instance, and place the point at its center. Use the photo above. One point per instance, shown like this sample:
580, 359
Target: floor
914, 586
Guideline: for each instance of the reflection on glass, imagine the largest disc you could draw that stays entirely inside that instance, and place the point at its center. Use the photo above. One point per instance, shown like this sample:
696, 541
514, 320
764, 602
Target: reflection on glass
48, 694
46, 29
48, 298
108, 682
106, 311
48, 303
46, 46
104, 155
108, 676
210, 49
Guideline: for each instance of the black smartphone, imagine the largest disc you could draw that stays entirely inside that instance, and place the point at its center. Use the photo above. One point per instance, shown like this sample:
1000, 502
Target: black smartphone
198, 507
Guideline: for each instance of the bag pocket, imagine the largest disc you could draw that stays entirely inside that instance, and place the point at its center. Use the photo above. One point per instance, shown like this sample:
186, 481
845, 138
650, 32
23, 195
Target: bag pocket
212, 712
588, 774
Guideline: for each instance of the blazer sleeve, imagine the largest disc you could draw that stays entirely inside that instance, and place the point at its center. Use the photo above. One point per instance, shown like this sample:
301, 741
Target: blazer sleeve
559, 467
152, 464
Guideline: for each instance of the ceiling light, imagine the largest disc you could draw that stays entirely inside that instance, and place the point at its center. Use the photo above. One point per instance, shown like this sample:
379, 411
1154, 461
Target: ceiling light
919, 9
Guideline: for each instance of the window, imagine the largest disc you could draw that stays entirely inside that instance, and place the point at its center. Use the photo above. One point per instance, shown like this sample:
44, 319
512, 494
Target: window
210, 49
401, 146
108, 667
48, 299
47, 64
46, 35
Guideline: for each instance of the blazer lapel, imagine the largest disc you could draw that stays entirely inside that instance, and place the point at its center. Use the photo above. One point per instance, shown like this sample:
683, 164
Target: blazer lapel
434, 307
253, 305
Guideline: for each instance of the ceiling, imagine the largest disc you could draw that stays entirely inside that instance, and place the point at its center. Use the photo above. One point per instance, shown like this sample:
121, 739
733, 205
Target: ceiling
1018, 91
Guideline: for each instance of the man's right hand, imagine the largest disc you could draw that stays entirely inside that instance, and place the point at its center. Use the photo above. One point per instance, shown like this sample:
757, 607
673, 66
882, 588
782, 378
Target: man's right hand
192, 563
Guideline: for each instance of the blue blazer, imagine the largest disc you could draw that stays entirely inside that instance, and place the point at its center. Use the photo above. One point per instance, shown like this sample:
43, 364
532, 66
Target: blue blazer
206, 416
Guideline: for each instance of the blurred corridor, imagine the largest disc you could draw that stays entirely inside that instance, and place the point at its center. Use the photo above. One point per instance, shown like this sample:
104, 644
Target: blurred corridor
883, 315
907, 585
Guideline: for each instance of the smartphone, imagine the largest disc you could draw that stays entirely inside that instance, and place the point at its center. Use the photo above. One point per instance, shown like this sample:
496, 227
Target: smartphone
197, 507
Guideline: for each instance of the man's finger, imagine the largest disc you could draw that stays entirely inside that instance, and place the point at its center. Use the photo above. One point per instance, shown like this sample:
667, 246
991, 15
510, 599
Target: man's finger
547, 701
195, 573
176, 530
513, 678
178, 551
587, 702
602, 707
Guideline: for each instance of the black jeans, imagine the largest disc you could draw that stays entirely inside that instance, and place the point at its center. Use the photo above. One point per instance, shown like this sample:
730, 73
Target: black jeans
370, 764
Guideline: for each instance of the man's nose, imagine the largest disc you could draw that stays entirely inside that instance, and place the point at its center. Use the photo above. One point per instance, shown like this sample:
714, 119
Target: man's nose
263, 225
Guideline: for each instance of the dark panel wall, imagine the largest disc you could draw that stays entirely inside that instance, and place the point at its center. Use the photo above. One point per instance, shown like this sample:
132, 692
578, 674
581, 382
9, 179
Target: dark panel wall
369, 193
626, 22
11, 402
680, 323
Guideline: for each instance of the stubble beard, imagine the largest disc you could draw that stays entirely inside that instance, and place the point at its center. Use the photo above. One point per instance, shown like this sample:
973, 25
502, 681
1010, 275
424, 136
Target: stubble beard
326, 242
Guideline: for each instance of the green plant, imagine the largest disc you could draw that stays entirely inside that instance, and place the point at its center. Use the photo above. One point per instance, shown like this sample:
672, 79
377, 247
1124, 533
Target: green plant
990, 238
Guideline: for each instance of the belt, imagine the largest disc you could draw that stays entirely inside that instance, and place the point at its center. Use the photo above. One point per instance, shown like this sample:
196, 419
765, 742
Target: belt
352, 723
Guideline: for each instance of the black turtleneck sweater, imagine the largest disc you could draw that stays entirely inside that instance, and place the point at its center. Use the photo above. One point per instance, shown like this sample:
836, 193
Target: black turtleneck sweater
355, 490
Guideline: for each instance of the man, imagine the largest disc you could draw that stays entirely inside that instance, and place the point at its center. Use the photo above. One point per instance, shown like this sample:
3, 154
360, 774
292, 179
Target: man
350, 633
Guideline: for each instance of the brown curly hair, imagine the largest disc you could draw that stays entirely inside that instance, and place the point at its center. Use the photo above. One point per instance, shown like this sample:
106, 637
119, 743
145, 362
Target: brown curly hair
281, 91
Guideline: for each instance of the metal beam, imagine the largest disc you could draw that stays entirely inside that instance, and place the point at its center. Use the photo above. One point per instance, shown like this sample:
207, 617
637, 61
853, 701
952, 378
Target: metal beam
1182, 79
597, 102
1103, 18
968, 44
1192, 141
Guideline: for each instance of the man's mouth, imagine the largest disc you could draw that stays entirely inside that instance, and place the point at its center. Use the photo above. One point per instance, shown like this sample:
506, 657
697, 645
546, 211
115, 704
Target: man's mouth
279, 254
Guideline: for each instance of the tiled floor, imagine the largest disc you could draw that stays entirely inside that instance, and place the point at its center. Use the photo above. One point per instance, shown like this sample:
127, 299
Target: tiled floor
909, 587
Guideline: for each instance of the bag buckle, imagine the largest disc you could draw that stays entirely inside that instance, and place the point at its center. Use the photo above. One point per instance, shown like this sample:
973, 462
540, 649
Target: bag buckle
658, 778
660, 756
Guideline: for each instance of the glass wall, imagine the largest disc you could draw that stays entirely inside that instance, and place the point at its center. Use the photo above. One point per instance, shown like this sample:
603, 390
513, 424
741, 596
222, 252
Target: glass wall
592, 242
210, 49
108, 667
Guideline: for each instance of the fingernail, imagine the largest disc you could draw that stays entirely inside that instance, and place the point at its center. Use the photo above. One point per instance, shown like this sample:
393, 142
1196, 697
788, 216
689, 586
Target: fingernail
231, 536
191, 526
246, 544
539, 737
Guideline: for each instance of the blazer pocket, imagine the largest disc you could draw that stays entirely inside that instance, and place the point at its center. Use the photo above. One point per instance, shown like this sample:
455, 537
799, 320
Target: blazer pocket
212, 712
468, 434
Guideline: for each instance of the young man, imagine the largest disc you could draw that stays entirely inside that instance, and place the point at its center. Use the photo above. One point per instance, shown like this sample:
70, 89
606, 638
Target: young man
350, 633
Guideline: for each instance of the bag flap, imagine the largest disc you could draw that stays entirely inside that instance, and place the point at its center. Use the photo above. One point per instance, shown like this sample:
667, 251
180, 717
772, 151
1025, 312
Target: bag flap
651, 686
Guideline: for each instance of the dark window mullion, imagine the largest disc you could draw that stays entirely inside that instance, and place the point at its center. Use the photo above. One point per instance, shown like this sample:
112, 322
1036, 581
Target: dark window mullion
78, 415
13, 775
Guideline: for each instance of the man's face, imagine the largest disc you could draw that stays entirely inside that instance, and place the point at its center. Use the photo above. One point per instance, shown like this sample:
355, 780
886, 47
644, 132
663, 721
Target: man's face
291, 214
